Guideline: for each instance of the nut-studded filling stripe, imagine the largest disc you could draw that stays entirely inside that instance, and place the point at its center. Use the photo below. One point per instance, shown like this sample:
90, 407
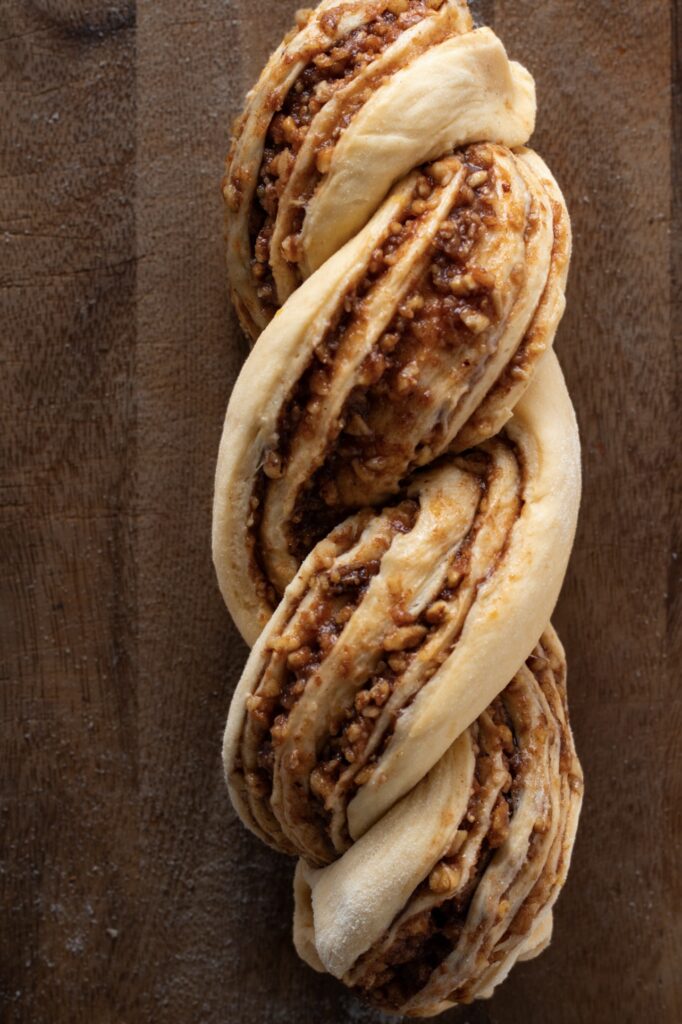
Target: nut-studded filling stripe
524, 789
328, 73
443, 301
355, 680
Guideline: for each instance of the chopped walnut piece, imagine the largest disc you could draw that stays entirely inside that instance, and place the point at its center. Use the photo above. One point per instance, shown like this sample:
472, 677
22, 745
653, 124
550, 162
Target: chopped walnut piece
323, 159
499, 824
462, 284
299, 659
365, 774
436, 612
290, 249
257, 708
442, 172
361, 700
397, 662
354, 732
380, 692
285, 643
477, 178
475, 321
444, 878
320, 783
404, 638
407, 378
272, 465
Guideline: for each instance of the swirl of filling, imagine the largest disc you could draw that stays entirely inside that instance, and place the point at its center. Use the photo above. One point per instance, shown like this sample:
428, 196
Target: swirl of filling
403, 624
396, 497
418, 337
458, 907
296, 186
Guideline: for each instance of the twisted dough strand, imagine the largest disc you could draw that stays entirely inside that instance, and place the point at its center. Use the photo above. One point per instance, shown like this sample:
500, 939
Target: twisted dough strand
396, 497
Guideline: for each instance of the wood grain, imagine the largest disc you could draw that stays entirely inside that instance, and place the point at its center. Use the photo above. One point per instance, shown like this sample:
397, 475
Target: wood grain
129, 892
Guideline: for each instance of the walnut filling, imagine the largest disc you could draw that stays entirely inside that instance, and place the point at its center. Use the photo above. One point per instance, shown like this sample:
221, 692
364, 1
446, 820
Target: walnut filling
325, 74
347, 744
413, 648
441, 325
391, 421
343, 765
507, 743
534, 341
302, 646
264, 589
393, 975
300, 411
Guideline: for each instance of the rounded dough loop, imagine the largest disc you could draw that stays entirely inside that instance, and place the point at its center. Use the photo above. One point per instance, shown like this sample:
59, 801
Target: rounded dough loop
409, 875
419, 335
296, 186
396, 497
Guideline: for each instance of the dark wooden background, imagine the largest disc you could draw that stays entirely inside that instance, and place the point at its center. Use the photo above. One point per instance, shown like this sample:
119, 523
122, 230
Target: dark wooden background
129, 893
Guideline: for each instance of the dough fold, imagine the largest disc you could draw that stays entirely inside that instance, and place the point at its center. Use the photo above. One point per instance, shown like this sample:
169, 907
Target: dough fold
417, 337
358, 84
457, 882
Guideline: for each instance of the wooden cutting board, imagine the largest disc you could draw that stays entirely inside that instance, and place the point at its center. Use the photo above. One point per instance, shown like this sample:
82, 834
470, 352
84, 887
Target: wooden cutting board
129, 892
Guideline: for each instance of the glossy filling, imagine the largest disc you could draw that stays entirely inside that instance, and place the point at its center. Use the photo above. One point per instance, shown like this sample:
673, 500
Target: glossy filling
440, 326
304, 643
297, 419
444, 327
320, 780
425, 939
321, 78
509, 740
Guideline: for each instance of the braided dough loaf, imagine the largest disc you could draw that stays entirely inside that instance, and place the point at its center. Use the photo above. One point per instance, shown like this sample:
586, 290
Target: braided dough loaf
396, 497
